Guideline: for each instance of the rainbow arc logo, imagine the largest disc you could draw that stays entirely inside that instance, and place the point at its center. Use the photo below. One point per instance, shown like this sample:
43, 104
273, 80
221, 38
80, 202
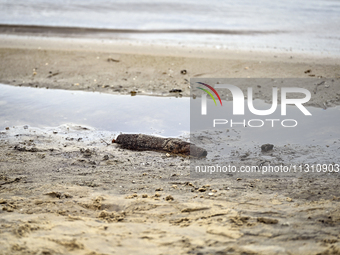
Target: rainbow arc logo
209, 93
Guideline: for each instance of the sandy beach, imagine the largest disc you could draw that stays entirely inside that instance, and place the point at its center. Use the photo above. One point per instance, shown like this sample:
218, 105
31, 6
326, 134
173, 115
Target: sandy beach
61, 195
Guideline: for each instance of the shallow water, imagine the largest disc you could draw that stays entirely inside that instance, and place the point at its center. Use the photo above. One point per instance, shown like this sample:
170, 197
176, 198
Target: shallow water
321, 128
165, 116
300, 25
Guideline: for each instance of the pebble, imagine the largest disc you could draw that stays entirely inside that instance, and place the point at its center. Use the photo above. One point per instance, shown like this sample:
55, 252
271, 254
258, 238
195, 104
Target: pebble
267, 147
175, 91
169, 198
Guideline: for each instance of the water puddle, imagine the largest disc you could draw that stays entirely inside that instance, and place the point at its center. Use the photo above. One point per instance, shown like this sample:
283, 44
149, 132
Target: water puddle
165, 116
321, 127
237, 139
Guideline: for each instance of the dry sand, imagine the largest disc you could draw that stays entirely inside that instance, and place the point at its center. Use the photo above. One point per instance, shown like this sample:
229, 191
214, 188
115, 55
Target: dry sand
64, 196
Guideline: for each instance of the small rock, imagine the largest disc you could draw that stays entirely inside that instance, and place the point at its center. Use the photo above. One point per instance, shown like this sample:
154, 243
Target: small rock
159, 189
169, 198
183, 72
308, 71
267, 147
144, 196
175, 91
106, 157
202, 190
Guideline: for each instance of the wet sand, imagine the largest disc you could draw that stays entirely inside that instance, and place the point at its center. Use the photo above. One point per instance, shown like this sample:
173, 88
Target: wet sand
118, 67
62, 195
